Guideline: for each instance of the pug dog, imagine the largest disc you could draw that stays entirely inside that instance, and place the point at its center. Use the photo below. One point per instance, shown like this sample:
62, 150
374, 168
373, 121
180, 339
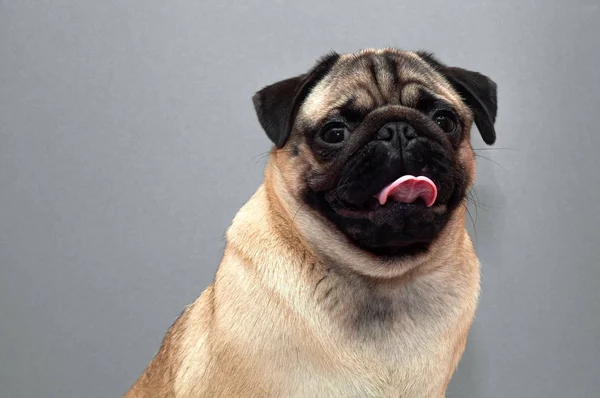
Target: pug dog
349, 273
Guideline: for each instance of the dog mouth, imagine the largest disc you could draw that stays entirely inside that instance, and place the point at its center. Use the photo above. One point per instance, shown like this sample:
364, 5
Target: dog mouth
388, 216
407, 192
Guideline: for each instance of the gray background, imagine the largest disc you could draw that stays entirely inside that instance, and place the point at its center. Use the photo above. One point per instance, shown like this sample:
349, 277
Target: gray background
128, 141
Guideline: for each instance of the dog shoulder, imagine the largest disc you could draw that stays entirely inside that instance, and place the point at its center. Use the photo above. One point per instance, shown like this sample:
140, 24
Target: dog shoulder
177, 358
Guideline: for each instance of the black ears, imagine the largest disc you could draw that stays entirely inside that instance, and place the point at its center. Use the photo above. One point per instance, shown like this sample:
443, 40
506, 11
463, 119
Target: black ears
277, 104
274, 106
478, 91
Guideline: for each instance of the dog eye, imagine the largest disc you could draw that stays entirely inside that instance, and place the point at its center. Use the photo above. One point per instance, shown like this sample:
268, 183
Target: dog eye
334, 133
446, 121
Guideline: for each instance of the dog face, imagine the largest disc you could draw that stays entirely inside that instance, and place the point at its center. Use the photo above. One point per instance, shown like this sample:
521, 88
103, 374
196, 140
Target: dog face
377, 143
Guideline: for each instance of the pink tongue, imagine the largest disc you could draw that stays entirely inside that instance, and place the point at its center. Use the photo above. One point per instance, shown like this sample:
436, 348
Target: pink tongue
407, 189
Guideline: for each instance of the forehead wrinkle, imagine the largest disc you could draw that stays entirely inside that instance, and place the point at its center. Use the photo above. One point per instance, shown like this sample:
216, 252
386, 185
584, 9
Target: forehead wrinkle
354, 79
366, 78
342, 78
420, 94
409, 95
387, 77
360, 99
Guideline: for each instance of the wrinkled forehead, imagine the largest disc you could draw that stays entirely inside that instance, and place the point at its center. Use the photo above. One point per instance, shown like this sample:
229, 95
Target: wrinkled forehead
374, 78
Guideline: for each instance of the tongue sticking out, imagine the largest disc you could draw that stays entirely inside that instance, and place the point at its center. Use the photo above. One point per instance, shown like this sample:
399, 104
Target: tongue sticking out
407, 189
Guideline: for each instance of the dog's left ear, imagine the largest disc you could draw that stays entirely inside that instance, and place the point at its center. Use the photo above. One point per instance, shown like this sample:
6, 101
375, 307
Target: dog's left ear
277, 104
480, 94
478, 91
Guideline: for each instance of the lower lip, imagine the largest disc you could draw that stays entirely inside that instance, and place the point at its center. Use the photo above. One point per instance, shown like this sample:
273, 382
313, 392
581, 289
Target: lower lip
437, 209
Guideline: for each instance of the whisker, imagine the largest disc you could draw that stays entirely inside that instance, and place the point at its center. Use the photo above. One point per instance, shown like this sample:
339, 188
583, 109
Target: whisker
260, 156
496, 149
475, 204
475, 200
296, 213
266, 154
490, 160
472, 223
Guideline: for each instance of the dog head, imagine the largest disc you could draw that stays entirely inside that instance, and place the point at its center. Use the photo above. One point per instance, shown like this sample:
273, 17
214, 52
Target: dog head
376, 143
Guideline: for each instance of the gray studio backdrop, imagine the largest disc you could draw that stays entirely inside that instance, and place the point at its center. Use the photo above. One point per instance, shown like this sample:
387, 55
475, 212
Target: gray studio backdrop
128, 142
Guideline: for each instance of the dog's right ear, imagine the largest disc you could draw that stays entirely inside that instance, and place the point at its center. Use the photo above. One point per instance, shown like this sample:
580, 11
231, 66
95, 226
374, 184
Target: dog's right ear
277, 104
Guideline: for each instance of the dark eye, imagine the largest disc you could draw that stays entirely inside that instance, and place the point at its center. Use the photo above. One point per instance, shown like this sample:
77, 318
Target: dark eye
334, 133
446, 121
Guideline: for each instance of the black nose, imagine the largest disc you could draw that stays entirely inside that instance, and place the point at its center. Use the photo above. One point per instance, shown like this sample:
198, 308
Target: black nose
397, 131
